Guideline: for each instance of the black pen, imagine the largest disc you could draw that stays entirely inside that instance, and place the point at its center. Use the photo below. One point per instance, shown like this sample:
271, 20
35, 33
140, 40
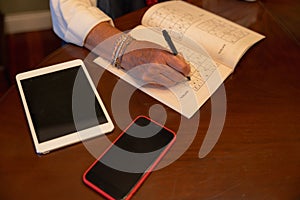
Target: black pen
170, 42
171, 45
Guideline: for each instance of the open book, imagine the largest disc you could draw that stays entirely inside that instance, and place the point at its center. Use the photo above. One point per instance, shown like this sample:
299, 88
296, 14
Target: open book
211, 44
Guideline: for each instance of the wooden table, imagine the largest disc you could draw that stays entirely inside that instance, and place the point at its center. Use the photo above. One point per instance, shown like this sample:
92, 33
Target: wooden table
256, 157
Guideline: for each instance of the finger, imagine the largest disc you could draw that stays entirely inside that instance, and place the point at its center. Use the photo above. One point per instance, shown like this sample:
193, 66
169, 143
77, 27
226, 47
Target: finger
151, 73
158, 80
160, 70
178, 63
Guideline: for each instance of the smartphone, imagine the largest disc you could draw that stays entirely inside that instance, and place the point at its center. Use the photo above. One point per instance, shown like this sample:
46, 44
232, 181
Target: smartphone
128, 161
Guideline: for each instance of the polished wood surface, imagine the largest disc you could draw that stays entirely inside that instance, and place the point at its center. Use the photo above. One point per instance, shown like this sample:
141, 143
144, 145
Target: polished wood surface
22, 52
25, 51
256, 157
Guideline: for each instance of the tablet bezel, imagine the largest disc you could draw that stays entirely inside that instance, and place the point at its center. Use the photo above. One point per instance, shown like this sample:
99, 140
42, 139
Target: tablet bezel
71, 138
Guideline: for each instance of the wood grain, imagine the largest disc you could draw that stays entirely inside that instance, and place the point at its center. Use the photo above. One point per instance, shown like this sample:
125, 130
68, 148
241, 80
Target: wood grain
256, 157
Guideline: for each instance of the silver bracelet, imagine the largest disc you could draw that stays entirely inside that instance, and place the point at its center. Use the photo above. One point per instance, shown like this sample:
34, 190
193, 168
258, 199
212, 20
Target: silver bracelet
121, 44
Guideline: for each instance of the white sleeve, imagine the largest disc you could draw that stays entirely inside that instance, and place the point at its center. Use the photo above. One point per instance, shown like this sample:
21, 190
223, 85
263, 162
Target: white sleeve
72, 20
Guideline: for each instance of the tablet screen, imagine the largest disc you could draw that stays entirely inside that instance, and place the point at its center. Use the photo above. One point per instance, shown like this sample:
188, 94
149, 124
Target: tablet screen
50, 102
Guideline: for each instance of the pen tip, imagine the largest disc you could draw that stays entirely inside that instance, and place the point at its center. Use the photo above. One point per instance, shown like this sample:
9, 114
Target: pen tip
188, 78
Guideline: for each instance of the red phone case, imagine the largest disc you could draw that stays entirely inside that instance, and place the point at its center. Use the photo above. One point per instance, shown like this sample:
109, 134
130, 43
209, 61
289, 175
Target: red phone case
146, 174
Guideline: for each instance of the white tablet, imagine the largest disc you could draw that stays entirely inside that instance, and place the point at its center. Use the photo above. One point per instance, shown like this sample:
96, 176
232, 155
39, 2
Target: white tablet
62, 105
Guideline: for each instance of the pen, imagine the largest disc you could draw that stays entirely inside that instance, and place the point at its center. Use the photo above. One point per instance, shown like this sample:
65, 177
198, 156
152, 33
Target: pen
171, 45
170, 42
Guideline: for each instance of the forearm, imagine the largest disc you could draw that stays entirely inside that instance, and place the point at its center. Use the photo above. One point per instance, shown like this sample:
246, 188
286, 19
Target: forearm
101, 39
73, 19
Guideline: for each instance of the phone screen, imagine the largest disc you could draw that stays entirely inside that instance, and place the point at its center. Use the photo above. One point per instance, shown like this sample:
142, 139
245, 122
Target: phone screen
122, 168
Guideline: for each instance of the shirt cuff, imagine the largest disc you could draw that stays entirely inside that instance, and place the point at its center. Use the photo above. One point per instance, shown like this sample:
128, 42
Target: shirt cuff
82, 23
